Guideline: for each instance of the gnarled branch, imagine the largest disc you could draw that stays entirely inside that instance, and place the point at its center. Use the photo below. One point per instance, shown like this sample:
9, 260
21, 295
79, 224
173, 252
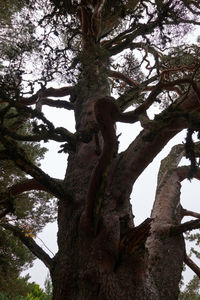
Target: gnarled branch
43, 93
59, 134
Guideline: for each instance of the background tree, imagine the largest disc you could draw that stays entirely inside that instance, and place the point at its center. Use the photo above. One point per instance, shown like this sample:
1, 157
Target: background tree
29, 210
191, 291
133, 51
34, 293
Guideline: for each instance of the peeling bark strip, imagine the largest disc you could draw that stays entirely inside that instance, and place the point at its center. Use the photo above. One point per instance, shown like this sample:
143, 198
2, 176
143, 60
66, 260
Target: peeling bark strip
105, 113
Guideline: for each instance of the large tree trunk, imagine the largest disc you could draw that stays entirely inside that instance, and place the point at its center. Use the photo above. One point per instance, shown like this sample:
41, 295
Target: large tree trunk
100, 256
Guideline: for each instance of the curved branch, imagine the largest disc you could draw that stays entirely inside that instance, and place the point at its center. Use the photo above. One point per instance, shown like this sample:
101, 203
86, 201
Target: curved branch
118, 75
192, 265
19, 157
28, 185
30, 244
152, 139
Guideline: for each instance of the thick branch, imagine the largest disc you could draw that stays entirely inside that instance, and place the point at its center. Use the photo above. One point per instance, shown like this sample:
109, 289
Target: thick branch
30, 244
50, 92
54, 103
151, 140
59, 135
192, 265
28, 185
183, 172
19, 157
190, 225
190, 213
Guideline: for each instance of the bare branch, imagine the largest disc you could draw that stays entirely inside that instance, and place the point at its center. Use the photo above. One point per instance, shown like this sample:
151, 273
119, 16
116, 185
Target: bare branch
192, 265
126, 43
19, 157
54, 103
118, 75
183, 172
190, 225
28, 185
190, 213
59, 134
131, 96
30, 244
50, 92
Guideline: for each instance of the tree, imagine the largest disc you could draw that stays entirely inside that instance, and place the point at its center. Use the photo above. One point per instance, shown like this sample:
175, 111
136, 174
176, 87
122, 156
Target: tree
18, 204
35, 293
48, 287
192, 289
115, 59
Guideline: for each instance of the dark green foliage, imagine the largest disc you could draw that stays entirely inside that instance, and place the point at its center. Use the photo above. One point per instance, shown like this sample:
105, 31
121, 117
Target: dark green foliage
192, 290
31, 291
34, 208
